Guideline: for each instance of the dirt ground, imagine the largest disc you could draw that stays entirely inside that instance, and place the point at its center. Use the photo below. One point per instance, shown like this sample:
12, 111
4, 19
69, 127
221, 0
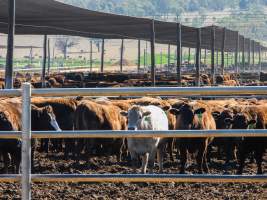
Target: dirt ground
54, 163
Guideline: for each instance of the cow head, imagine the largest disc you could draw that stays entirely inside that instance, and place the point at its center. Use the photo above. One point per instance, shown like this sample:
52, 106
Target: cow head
187, 117
44, 119
135, 116
241, 121
222, 119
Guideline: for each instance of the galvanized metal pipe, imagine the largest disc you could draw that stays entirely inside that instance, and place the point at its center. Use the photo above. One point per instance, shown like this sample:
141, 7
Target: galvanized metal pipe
26, 142
150, 133
10, 93
10, 134
10, 44
154, 178
152, 91
10, 178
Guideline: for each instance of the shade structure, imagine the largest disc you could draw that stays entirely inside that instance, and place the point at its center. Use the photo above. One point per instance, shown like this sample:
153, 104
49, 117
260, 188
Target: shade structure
40, 17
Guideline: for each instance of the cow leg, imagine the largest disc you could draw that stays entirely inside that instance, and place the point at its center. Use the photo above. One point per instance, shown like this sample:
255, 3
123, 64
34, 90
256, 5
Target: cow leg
6, 158
243, 153
144, 163
134, 158
151, 160
160, 160
258, 156
183, 154
200, 159
170, 148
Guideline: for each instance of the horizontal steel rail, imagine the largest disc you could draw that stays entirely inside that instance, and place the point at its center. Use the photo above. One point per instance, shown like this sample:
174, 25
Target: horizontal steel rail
150, 133
10, 178
11, 93
184, 178
10, 134
152, 91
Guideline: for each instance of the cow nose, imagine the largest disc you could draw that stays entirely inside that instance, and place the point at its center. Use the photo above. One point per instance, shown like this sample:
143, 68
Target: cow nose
131, 128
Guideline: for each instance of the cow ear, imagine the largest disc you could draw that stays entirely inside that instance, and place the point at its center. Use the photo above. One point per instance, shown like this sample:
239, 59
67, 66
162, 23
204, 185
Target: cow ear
216, 115
174, 111
253, 121
166, 108
228, 121
146, 113
79, 98
49, 109
200, 111
124, 113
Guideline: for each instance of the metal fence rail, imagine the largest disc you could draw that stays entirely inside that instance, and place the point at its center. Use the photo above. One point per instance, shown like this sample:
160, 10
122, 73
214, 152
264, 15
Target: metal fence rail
149, 134
26, 177
152, 91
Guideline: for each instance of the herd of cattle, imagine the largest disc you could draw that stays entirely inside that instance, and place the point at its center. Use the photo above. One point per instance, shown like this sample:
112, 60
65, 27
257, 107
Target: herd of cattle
147, 113
82, 80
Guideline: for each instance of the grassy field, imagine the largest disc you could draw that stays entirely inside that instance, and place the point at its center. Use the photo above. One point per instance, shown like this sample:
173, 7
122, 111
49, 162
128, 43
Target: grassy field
73, 63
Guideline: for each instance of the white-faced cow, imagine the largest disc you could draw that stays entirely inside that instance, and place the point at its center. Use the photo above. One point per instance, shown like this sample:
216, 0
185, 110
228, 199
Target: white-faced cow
145, 118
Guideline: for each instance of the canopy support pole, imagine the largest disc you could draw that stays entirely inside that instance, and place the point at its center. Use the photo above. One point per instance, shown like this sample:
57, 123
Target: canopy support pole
243, 54
237, 53
198, 57
10, 45
152, 47
223, 51
213, 55
102, 56
179, 53
121, 59
44, 61
169, 57
139, 56
205, 57
49, 57
189, 55
91, 56
259, 59
249, 54
253, 55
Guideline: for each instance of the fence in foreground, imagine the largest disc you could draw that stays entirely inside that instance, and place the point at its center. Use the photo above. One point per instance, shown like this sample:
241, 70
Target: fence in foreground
26, 178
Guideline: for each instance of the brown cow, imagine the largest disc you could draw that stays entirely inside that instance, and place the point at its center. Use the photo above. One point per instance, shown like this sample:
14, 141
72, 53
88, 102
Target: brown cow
189, 118
10, 120
90, 115
253, 117
64, 109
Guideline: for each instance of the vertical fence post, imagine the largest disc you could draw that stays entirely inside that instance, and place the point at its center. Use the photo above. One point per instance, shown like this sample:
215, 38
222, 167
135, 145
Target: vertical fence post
198, 57
49, 57
223, 51
236, 52
179, 53
213, 55
102, 56
10, 45
253, 55
26, 142
121, 58
259, 58
91, 56
169, 57
139, 56
189, 55
44, 61
152, 47
243, 54
249, 54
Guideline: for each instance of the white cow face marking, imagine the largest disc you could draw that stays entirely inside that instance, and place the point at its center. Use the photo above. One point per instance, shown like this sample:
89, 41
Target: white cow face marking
53, 122
135, 117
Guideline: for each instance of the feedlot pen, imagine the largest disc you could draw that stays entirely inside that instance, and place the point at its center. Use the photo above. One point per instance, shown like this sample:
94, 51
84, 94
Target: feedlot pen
26, 177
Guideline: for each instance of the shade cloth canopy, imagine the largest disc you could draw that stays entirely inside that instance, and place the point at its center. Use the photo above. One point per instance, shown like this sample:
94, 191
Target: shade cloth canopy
51, 17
